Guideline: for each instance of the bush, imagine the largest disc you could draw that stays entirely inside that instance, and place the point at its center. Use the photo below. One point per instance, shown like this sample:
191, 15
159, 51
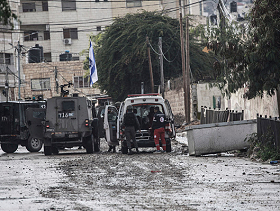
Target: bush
263, 147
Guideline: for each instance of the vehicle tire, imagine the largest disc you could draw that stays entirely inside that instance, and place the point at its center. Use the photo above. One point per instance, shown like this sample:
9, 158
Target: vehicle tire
95, 127
9, 148
55, 150
34, 144
97, 145
47, 150
90, 144
124, 149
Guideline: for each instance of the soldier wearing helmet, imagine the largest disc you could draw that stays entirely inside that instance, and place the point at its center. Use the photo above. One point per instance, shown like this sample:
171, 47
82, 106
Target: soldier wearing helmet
131, 124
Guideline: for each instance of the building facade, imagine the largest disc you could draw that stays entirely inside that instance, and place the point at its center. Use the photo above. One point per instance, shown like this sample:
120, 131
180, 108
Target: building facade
50, 32
44, 80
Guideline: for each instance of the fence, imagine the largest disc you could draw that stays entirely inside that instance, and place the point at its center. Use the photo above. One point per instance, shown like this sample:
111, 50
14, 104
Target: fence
269, 125
209, 116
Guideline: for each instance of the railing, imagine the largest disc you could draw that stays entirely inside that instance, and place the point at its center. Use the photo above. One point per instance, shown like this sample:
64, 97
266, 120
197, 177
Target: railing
209, 116
269, 126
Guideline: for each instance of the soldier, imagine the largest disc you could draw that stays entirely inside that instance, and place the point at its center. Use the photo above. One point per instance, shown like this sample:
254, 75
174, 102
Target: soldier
112, 117
131, 124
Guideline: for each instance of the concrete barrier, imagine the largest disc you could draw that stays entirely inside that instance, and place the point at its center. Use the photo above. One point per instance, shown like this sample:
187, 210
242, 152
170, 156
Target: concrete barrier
219, 137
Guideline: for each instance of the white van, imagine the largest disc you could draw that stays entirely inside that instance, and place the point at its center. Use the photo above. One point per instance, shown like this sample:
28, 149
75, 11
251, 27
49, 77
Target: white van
142, 104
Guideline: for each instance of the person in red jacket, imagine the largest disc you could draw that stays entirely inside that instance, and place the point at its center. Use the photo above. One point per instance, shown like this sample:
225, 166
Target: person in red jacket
159, 129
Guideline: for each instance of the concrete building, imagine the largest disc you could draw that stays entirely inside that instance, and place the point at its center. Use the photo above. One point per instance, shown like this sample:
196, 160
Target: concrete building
189, 7
121, 8
60, 26
8, 77
53, 31
46, 79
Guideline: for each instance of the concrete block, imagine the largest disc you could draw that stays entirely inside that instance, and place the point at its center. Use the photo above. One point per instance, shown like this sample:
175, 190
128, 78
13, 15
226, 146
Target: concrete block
219, 137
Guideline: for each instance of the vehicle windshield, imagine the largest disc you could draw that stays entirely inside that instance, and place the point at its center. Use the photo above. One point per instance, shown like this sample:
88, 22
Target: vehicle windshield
145, 114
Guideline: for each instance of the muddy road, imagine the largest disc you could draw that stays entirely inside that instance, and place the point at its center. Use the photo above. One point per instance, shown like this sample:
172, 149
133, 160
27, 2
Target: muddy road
74, 180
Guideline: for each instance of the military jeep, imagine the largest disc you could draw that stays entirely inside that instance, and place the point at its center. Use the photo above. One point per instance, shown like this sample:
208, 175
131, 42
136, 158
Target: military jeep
14, 127
70, 122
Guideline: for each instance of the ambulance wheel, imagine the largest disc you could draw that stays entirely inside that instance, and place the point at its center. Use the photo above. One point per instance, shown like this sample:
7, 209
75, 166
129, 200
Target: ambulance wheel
47, 150
9, 148
34, 144
124, 149
97, 145
90, 144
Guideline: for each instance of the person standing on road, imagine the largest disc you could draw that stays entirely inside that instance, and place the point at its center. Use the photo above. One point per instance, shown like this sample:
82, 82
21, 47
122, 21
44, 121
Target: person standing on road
112, 143
159, 129
131, 124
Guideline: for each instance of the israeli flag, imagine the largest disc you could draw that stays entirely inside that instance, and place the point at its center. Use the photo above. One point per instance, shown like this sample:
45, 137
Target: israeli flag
92, 66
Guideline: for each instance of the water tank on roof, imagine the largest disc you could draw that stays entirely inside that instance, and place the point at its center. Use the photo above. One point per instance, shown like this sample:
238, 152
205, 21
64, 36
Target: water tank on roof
36, 54
65, 56
233, 6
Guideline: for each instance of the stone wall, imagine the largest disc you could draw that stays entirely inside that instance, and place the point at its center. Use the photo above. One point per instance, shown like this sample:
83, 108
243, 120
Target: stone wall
66, 71
263, 106
204, 95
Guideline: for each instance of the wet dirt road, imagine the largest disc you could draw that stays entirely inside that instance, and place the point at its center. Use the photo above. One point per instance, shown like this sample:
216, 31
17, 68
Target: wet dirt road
74, 180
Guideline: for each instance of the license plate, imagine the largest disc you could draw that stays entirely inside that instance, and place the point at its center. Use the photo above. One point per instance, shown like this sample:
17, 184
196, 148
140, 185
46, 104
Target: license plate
63, 115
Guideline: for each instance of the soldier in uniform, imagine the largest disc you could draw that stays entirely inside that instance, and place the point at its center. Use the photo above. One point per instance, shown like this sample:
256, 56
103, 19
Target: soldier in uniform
131, 124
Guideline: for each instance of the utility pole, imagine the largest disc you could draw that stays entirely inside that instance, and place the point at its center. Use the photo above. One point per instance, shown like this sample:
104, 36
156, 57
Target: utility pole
188, 97
183, 65
7, 84
56, 79
19, 81
150, 64
161, 66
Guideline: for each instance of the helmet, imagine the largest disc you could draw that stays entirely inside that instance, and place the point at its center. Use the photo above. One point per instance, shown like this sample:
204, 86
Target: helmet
130, 107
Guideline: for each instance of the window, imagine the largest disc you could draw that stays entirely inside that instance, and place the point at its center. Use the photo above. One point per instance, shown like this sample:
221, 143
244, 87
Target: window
133, 3
30, 35
40, 84
39, 115
47, 57
28, 7
68, 105
45, 6
6, 58
70, 33
98, 28
68, 5
47, 35
81, 82
75, 58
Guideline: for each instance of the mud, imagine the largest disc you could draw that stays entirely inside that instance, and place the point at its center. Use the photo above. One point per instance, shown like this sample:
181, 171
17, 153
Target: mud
74, 180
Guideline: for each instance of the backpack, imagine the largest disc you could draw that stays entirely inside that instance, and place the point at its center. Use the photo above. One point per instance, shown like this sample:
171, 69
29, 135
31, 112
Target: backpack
129, 119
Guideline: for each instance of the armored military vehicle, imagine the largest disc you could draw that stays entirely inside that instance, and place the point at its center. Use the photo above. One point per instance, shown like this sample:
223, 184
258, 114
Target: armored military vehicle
70, 122
14, 126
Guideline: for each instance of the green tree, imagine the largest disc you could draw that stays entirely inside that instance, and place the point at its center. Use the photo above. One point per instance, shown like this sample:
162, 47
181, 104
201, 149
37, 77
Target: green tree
6, 14
250, 51
121, 53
